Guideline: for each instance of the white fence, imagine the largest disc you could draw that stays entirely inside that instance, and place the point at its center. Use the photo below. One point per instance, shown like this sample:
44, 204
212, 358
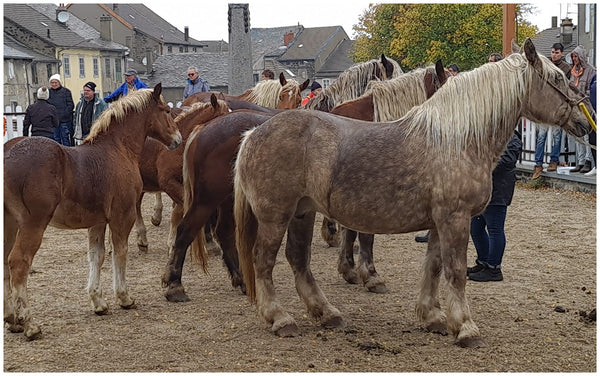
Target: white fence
13, 122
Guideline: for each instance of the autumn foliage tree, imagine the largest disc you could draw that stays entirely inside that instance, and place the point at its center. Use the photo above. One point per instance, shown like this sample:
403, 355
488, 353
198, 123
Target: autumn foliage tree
419, 34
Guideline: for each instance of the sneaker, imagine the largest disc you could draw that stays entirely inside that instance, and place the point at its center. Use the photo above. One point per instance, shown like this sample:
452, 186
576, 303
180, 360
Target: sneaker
475, 269
578, 168
552, 167
587, 167
486, 275
422, 238
591, 173
537, 172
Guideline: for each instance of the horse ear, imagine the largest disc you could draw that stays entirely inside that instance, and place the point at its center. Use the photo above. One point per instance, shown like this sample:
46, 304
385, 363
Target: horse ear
157, 91
304, 85
515, 47
384, 60
530, 52
221, 96
440, 71
282, 79
213, 101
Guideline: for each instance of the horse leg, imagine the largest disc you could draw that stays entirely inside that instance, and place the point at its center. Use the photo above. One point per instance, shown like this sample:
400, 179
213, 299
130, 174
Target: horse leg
27, 243
119, 234
96, 252
211, 244
297, 251
10, 234
176, 216
268, 239
225, 232
158, 209
428, 305
366, 268
140, 227
346, 259
453, 232
330, 232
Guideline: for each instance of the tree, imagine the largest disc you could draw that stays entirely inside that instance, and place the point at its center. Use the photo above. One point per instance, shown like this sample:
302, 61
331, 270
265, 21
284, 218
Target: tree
419, 34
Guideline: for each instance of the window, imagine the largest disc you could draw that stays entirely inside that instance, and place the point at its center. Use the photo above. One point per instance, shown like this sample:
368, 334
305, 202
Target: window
66, 66
95, 66
180, 49
195, 49
170, 49
11, 70
107, 70
118, 71
34, 74
326, 83
49, 70
81, 67
587, 17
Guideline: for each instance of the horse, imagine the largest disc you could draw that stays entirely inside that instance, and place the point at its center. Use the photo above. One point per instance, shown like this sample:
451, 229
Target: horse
383, 101
285, 94
351, 84
431, 169
161, 169
86, 186
216, 145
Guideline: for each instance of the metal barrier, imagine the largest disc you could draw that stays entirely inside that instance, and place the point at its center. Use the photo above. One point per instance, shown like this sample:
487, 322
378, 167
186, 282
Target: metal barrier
13, 122
528, 131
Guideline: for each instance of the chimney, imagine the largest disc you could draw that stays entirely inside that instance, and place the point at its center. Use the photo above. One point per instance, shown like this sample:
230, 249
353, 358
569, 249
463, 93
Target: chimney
240, 76
106, 28
566, 31
288, 38
186, 33
554, 22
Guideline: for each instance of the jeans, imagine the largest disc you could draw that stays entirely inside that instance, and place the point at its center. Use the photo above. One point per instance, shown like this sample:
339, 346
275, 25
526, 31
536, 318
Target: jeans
583, 152
62, 134
540, 146
489, 244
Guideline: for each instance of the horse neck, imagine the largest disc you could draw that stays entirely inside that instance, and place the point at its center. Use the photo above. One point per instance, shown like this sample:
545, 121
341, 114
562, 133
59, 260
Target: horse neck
129, 135
187, 124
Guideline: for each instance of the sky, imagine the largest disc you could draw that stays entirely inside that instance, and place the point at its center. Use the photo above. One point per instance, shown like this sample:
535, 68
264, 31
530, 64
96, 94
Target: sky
207, 20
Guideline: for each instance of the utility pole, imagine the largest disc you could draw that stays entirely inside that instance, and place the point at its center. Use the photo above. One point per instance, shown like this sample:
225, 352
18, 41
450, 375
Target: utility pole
509, 20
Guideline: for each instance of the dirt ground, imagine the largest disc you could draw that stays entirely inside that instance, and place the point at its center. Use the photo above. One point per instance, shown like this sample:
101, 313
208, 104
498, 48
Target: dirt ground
536, 320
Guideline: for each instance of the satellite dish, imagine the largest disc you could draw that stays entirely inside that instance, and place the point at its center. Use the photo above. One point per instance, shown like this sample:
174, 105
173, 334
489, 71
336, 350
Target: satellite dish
63, 16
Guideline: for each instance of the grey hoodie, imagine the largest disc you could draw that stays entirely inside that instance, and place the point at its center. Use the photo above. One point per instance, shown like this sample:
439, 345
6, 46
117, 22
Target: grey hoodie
588, 71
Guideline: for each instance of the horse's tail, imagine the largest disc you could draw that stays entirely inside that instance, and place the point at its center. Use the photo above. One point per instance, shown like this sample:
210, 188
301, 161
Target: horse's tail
246, 227
198, 246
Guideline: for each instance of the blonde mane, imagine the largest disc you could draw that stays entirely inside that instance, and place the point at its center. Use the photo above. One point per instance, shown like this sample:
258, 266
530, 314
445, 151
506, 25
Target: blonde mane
351, 84
197, 106
491, 91
393, 98
137, 101
266, 93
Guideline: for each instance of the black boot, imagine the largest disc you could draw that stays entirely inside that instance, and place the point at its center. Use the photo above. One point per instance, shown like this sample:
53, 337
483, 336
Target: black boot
587, 167
578, 168
422, 238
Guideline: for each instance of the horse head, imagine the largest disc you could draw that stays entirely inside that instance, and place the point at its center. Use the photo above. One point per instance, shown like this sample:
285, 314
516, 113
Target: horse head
551, 98
290, 95
435, 78
162, 127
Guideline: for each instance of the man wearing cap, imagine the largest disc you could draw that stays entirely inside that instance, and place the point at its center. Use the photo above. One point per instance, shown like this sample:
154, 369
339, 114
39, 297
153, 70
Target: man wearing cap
131, 83
41, 116
87, 111
61, 98
315, 89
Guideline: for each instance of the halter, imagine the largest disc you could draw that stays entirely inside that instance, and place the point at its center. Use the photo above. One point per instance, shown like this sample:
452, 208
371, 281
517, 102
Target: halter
571, 101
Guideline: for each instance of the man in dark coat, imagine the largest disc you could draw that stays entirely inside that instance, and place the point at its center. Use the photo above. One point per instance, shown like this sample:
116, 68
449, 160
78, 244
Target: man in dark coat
61, 98
41, 116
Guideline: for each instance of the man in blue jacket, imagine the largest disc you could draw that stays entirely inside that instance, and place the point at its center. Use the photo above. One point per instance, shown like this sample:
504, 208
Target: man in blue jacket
131, 83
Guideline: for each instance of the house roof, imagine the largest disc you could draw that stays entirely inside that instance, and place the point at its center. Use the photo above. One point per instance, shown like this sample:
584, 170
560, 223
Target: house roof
142, 18
544, 40
309, 43
338, 61
16, 50
269, 42
40, 19
171, 70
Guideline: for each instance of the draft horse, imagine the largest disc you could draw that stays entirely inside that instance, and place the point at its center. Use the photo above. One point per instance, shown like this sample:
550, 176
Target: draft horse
86, 186
430, 169
383, 101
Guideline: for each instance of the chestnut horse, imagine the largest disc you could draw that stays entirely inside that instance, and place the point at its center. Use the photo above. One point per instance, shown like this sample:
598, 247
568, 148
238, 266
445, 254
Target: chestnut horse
429, 170
86, 186
384, 101
161, 169
269, 93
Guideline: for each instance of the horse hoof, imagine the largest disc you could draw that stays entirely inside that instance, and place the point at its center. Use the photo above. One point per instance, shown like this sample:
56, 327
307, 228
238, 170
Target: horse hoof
377, 289
155, 221
176, 295
32, 332
471, 342
351, 277
15, 328
333, 322
288, 330
438, 327
143, 248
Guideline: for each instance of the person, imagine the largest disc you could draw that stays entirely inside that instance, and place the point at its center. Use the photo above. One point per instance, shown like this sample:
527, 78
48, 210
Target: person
453, 69
487, 229
87, 111
315, 89
267, 74
62, 100
132, 82
593, 133
494, 57
581, 76
558, 59
195, 84
41, 116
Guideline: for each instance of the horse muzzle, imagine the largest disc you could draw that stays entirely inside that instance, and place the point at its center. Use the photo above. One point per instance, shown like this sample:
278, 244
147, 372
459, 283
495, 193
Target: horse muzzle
177, 140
